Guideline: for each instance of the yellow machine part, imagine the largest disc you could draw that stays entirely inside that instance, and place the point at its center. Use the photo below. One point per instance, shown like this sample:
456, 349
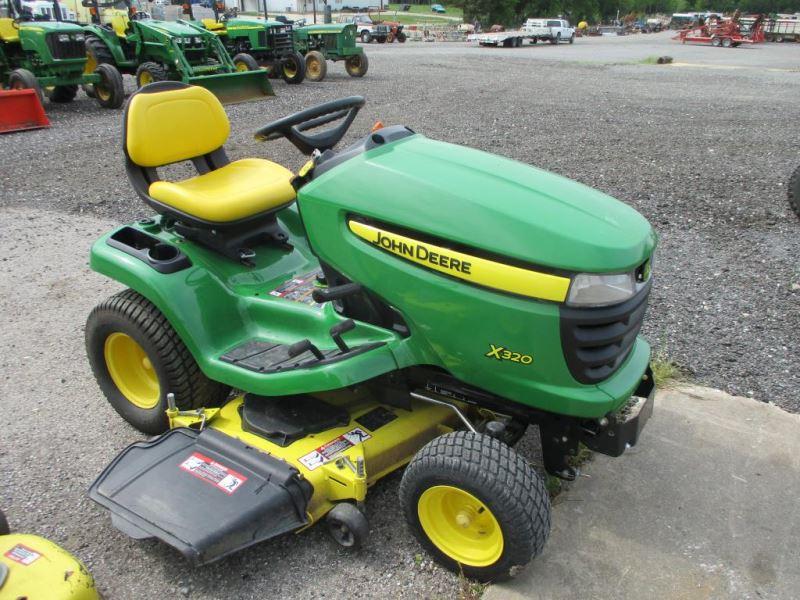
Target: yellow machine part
382, 451
38, 569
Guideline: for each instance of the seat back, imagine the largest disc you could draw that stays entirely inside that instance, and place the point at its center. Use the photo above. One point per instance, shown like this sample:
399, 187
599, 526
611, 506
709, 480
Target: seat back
8, 33
119, 23
212, 25
169, 122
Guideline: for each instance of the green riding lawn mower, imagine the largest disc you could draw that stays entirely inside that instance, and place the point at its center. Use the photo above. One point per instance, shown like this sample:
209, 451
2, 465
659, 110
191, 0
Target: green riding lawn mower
334, 42
49, 56
256, 43
401, 303
154, 50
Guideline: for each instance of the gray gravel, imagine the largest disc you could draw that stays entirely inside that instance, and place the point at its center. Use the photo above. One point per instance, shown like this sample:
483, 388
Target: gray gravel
704, 152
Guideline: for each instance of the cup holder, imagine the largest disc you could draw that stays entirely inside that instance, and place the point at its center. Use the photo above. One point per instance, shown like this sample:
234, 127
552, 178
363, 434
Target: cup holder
162, 253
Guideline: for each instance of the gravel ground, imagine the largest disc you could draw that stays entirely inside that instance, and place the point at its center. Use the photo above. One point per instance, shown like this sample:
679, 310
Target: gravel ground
704, 151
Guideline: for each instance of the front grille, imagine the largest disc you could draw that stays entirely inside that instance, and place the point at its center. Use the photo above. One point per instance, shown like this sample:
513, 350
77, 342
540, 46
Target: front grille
329, 40
281, 42
596, 341
63, 50
262, 39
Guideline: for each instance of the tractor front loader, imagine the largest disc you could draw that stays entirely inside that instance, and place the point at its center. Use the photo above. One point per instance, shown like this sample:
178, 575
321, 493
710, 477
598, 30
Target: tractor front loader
48, 56
153, 50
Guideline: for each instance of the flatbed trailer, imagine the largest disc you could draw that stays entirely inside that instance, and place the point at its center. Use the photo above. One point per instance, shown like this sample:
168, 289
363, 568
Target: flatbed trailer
507, 39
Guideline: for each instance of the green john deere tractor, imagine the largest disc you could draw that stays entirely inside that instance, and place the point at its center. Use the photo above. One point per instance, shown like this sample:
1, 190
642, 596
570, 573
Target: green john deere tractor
397, 304
334, 42
152, 50
49, 56
256, 43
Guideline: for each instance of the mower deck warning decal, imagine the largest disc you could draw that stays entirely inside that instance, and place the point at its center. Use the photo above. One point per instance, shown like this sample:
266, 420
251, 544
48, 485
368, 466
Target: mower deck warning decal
23, 555
298, 289
212, 472
324, 453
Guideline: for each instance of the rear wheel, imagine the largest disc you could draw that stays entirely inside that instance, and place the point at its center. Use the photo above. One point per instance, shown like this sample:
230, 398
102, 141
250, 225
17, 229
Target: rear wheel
63, 93
572, 39
138, 358
727, 42
149, 72
716, 41
245, 62
366, 36
293, 68
22, 79
316, 66
476, 505
794, 191
402, 37
110, 92
356, 65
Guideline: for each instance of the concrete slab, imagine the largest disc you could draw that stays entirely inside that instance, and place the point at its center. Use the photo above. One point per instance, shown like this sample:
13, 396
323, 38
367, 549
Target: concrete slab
705, 507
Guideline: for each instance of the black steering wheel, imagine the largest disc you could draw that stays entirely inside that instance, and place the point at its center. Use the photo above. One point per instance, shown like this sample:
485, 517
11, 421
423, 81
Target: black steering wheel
293, 126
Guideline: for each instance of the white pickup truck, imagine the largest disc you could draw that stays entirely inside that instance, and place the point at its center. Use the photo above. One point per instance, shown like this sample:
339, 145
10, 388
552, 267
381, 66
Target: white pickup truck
552, 30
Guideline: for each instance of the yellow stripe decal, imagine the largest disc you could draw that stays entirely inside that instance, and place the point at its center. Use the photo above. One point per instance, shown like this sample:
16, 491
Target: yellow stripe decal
481, 271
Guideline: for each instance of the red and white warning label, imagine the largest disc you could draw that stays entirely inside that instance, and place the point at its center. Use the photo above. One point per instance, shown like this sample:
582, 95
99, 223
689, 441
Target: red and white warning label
213, 472
326, 452
22, 554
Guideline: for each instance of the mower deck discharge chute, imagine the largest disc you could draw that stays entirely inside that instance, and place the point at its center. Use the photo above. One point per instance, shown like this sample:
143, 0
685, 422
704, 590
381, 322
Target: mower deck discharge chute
424, 325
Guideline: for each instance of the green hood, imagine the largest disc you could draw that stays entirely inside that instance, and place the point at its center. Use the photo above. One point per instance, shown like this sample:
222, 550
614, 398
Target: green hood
495, 204
174, 28
50, 26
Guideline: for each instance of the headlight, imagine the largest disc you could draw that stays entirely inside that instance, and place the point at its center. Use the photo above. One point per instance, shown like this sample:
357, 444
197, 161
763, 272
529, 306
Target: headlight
63, 37
198, 41
591, 289
79, 37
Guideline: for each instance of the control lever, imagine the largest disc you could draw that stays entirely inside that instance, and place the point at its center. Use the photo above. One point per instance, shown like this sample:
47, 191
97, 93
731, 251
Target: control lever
337, 292
337, 331
298, 348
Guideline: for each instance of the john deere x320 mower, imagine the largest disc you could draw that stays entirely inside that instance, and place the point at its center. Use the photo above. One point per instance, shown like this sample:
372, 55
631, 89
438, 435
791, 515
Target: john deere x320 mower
400, 303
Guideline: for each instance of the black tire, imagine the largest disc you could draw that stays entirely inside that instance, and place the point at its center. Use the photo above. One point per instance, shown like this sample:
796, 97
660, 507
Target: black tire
402, 37
381, 39
555, 40
356, 65
794, 191
316, 66
63, 93
246, 62
131, 314
4, 528
727, 42
293, 68
494, 476
150, 70
97, 53
572, 39
110, 92
716, 42
347, 526
534, 40
22, 79
366, 37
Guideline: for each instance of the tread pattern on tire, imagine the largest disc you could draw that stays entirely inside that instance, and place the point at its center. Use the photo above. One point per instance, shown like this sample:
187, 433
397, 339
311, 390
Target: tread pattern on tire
191, 387
101, 52
508, 480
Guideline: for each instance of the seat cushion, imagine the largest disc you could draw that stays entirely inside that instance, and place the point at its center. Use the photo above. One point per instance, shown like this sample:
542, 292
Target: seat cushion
241, 189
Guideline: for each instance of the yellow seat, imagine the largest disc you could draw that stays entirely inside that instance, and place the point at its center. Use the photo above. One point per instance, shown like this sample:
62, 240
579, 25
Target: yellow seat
8, 33
212, 25
236, 191
119, 23
175, 122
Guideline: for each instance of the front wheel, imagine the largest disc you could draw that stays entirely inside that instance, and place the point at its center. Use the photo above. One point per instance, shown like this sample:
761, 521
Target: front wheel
22, 79
572, 39
476, 505
402, 37
727, 42
245, 62
149, 72
293, 68
138, 358
110, 92
316, 67
356, 65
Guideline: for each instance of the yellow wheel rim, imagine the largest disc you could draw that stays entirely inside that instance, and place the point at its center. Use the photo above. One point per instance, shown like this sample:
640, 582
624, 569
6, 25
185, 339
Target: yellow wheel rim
91, 63
289, 70
131, 370
101, 92
460, 525
240, 66
145, 77
313, 67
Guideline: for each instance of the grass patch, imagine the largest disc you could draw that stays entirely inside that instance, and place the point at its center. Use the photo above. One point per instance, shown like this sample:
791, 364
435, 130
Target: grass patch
469, 589
425, 9
408, 19
665, 372
650, 60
